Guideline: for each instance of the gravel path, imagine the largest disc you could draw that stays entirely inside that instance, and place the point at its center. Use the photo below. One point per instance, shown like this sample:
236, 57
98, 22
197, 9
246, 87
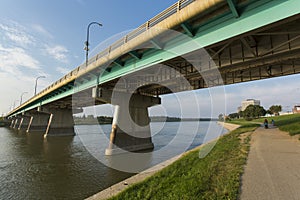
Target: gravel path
273, 167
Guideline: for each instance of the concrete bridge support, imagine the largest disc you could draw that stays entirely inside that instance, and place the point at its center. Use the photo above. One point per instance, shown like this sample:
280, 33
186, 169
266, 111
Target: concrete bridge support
62, 122
16, 122
53, 122
130, 128
25, 120
12, 123
38, 122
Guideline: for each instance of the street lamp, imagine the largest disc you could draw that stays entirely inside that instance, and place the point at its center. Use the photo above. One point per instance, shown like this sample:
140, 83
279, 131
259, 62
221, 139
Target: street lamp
36, 83
86, 48
22, 97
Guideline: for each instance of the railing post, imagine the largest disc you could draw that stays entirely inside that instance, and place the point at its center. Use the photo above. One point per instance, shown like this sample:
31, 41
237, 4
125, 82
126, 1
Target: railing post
178, 5
125, 38
147, 25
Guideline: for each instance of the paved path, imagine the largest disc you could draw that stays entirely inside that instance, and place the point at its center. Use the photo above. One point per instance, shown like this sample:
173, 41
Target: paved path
273, 167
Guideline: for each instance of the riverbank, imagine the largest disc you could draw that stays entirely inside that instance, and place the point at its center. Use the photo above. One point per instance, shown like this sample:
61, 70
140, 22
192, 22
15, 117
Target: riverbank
228, 126
187, 172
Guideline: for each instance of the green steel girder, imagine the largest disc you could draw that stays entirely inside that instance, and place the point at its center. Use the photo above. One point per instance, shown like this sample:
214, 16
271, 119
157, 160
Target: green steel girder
233, 8
119, 63
135, 55
156, 44
188, 29
91, 75
108, 69
252, 17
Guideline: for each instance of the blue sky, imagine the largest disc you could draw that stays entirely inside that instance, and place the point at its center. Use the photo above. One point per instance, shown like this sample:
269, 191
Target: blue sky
46, 38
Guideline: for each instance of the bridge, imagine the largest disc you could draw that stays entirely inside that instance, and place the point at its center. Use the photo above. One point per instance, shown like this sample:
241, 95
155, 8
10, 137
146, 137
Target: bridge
193, 44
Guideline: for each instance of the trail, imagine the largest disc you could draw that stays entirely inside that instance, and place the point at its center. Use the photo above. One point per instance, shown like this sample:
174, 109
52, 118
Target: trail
272, 170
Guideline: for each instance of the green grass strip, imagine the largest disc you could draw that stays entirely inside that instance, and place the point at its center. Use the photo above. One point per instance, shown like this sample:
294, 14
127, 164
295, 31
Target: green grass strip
287, 123
216, 176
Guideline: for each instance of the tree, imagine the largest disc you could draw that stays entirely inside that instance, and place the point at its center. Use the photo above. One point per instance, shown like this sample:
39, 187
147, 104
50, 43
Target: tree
275, 109
233, 115
254, 111
221, 117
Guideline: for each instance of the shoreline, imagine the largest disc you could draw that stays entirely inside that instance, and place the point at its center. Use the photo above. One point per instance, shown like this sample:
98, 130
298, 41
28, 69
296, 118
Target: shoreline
229, 126
123, 185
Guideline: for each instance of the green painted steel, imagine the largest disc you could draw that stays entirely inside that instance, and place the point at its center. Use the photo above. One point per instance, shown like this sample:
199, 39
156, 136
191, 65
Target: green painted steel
254, 16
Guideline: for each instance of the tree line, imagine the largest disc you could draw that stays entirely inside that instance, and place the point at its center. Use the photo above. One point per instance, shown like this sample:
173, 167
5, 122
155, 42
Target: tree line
253, 112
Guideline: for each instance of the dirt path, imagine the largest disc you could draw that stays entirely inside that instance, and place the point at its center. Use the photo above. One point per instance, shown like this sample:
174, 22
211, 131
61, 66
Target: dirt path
273, 167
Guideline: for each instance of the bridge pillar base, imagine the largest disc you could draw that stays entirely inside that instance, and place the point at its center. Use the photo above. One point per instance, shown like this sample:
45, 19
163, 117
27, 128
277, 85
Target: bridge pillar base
52, 122
130, 128
39, 122
62, 123
25, 122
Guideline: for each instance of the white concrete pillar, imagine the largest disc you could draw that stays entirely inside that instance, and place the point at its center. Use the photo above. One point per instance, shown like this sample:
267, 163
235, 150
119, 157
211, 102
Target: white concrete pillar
16, 121
20, 125
12, 123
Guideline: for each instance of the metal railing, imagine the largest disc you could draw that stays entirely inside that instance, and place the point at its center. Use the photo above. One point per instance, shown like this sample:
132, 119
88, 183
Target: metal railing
130, 36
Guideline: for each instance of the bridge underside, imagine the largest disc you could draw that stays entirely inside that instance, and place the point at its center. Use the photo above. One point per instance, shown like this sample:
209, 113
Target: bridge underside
268, 52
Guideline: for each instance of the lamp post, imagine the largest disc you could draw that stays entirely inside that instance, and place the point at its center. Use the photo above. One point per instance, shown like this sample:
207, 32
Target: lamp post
36, 83
22, 97
86, 48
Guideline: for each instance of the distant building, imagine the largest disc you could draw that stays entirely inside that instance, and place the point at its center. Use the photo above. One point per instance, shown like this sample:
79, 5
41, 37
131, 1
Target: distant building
249, 102
296, 109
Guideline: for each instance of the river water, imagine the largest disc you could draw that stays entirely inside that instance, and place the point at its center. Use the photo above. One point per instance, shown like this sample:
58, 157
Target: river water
75, 167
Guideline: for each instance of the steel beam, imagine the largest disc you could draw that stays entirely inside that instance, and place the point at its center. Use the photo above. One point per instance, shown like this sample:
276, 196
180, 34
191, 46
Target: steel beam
233, 8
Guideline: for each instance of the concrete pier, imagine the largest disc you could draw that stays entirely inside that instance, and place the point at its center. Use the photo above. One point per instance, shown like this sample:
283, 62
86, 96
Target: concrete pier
25, 120
39, 121
53, 122
62, 122
130, 128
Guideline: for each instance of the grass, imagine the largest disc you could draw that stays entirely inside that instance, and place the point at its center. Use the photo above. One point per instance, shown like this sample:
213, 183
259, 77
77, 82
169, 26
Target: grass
288, 123
216, 176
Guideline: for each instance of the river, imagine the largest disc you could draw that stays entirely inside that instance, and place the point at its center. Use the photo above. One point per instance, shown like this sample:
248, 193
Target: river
75, 167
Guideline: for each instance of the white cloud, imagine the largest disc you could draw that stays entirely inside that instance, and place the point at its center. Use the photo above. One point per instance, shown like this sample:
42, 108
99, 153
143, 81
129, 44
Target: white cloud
63, 70
273, 91
40, 29
12, 59
58, 52
25, 52
16, 33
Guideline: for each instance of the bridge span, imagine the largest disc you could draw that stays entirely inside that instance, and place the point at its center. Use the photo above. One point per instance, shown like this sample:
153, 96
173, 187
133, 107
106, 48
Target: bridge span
193, 44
